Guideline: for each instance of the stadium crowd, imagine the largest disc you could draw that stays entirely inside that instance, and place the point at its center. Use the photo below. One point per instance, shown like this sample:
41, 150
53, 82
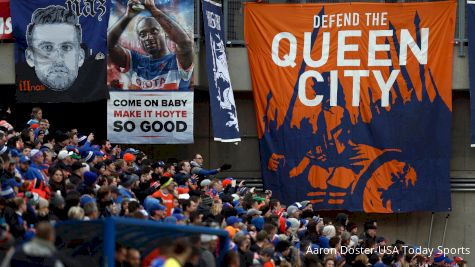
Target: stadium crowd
48, 177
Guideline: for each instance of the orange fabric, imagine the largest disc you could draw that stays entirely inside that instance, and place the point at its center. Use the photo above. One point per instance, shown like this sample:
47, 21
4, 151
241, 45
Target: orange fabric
286, 61
262, 22
167, 200
231, 230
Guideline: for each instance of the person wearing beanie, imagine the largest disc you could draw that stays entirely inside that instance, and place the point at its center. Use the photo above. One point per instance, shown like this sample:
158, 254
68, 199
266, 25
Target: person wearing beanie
77, 170
341, 221
167, 186
370, 232
88, 186
88, 156
37, 161
293, 212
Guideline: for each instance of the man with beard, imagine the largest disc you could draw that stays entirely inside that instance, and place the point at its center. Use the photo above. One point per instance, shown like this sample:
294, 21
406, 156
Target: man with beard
108, 151
159, 69
55, 53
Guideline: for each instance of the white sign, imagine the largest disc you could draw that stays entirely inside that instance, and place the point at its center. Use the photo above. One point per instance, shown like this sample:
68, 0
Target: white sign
150, 117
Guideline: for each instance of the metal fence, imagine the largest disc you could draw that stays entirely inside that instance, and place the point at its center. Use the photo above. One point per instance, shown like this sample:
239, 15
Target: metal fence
234, 18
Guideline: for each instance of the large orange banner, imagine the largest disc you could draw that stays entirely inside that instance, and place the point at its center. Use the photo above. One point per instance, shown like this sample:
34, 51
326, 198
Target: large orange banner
354, 102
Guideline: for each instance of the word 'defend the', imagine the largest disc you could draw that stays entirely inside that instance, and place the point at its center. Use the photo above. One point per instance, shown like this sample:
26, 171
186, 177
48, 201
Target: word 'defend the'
326, 21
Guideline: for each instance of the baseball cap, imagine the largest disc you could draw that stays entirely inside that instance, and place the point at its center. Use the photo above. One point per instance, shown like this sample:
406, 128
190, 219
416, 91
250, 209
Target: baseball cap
179, 216
24, 159
132, 151
158, 164
253, 212
232, 220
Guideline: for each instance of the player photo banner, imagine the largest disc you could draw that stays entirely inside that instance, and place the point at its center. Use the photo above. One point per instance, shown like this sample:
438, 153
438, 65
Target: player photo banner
150, 118
471, 59
151, 45
354, 103
60, 50
5, 21
223, 106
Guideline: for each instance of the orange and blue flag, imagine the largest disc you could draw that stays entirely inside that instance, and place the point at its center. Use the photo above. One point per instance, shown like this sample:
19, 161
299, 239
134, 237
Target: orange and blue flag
354, 103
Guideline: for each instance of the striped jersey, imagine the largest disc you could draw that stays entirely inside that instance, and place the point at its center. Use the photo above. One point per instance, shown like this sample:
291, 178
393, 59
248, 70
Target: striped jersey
164, 73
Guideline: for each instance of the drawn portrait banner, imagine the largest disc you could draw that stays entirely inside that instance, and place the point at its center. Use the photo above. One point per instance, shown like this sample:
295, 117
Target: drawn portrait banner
150, 45
6, 28
471, 59
354, 103
223, 106
60, 50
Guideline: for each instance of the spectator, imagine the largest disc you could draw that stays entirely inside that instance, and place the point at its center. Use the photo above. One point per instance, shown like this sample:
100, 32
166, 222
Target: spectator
39, 249
133, 257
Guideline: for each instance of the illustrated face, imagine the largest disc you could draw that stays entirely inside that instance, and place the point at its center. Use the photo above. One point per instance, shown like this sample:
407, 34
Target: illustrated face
56, 55
151, 36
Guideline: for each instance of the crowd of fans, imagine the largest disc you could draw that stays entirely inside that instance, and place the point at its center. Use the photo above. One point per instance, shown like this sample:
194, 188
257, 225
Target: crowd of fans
48, 177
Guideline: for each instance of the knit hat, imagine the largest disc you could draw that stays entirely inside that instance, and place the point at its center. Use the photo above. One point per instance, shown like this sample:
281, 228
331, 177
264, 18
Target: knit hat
85, 199
305, 203
82, 140
165, 181
205, 182
129, 157
128, 180
152, 204
329, 231
7, 192
258, 222
3, 149
227, 181
57, 200
88, 155
76, 166
90, 178
35, 153
292, 209
232, 220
